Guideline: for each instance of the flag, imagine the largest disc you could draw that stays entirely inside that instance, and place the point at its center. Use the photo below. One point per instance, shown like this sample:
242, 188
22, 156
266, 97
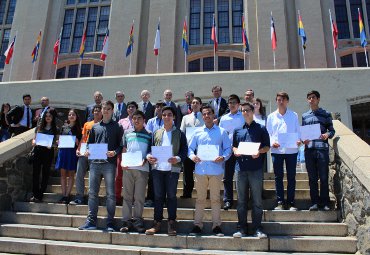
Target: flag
56, 48
273, 34
214, 33
301, 31
35, 51
185, 44
362, 30
82, 46
157, 41
9, 52
130, 44
244, 36
334, 30
104, 51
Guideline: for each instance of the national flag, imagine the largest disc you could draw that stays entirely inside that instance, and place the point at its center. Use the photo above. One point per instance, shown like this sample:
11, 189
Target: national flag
185, 44
334, 30
301, 31
244, 36
273, 34
362, 30
214, 33
9, 52
82, 46
35, 51
104, 51
157, 41
130, 44
56, 48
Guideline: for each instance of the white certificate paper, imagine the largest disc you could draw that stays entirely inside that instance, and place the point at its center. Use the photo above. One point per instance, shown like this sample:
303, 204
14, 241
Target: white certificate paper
98, 150
83, 148
310, 132
248, 148
162, 154
44, 140
132, 159
190, 131
67, 141
208, 152
288, 140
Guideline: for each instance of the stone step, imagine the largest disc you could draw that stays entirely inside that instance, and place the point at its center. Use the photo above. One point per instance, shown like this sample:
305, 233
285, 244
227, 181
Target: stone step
183, 226
182, 213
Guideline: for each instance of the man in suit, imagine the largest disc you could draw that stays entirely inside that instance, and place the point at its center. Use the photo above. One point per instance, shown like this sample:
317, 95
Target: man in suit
40, 112
120, 108
167, 99
249, 96
146, 106
218, 104
20, 117
185, 108
98, 98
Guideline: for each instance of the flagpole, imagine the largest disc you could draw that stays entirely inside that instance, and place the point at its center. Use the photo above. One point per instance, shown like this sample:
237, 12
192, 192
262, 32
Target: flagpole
332, 35
33, 70
273, 53
60, 42
159, 21
214, 43
11, 65
129, 69
185, 55
367, 62
185, 60
244, 57
79, 68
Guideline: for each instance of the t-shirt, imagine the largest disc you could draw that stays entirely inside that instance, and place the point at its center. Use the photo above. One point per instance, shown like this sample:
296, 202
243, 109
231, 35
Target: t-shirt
86, 131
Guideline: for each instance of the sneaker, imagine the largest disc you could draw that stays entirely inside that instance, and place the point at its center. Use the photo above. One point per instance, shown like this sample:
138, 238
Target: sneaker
326, 208
279, 207
217, 231
314, 208
110, 227
239, 234
172, 228
227, 206
196, 231
259, 234
64, 200
77, 201
155, 229
149, 203
87, 226
292, 208
35, 200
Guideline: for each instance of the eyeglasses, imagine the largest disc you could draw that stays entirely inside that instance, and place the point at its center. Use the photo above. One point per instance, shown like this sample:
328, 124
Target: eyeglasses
246, 110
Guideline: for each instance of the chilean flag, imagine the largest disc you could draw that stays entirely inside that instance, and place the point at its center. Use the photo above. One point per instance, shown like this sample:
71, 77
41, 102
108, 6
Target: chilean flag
9, 52
104, 52
214, 33
56, 48
157, 42
273, 35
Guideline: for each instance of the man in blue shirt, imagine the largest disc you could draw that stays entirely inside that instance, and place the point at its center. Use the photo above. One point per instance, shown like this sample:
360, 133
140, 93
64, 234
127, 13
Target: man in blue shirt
249, 175
317, 151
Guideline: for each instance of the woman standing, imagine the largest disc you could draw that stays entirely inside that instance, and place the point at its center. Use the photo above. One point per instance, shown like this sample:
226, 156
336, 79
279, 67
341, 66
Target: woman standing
67, 159
43, 156
259, 112
4, 125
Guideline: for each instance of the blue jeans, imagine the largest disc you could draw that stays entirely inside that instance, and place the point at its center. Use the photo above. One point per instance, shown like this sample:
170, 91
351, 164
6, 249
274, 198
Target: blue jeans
165, 183
228, 179
82, 165
108, 171
4, 135
317, 164
249, 181
290, 164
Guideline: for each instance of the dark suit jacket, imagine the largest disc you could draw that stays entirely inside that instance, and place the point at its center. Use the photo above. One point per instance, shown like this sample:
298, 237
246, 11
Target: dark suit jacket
223, 107
117, 115
89, 115
15, 115
149, 113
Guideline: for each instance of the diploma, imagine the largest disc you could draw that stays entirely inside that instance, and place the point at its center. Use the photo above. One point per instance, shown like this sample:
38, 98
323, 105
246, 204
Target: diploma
190, 131
248, 148
288, 140
208, 152
83, 148
98, 150
162, 154
44, 140
67, 141
132, 159
310, 132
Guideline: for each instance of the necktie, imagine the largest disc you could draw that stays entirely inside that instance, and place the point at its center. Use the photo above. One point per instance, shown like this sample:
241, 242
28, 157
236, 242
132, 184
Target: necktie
119, 107
189, 108
217, 101
28, 117
144, 107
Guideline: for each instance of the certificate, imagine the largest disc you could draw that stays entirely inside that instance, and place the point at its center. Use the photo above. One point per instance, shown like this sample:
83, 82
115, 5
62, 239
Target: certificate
310, 132
162, 154
190, 131
288, 140
44, 140
132, 159
83, 148
208, 152
248, 148
67, 141
98, 150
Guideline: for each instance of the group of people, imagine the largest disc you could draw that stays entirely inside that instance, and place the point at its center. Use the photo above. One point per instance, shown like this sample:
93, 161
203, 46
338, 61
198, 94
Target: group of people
205, 140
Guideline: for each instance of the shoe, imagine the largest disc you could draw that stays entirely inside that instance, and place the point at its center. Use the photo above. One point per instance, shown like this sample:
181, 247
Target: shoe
292, 208
279, 207
35, 200
110, 227
239, 234
172, 228
126, 227
196, 231
185, 196
326, 208
149, 203
227, 206
155, 229
77, 201
259, 234
87, 226
217, 231
314, 208
64, 200
138, 226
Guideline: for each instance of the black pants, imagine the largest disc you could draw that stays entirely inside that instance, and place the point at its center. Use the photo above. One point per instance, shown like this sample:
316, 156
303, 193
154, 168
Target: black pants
41, 164
188, 181
17, 130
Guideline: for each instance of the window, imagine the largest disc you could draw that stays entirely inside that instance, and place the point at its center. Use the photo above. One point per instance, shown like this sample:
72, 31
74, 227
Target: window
67, 31
355, 4
194, 66
237, 20
208, 64
102, 27
61, 73
90, 29
223, 21
361, 60
4, 46
2, 10
98, 71
85, 70
223, 64
73, 71
209, 9
11, 10
347, 61
194, 32
69, 2
238, 64
342, 19
78, 30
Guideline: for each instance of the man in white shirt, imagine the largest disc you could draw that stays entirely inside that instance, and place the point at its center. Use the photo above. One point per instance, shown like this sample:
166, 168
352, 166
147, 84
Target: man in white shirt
281, 124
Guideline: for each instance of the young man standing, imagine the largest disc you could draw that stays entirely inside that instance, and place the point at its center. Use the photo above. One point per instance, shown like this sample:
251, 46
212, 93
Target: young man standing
317, 152
20, 117
209, 173
107, 132
249, 176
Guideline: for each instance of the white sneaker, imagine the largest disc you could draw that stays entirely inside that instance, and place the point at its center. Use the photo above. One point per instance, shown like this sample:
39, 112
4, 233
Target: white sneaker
326, 208
292, 208
314, 208
239, 234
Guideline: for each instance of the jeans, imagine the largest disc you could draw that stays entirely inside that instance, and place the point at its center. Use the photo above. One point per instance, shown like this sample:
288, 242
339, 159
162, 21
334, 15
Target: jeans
108, 171
82, 165
41, 164
249, 181
4, 134
228, 179
317, 164
165, 183
290, 164
189, 166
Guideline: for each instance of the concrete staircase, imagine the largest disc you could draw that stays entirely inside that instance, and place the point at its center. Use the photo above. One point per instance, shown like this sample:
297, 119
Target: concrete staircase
51, 228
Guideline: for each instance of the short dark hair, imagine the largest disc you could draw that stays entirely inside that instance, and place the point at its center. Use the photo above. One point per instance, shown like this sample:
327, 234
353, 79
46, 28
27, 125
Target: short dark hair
233, 97
169, 108
138, 112
132, 103
110, 103
313, 92
248, 104
26, 95
207, 106
97, 106
160, 103
216, 87
282, 94
198, 99
191, 93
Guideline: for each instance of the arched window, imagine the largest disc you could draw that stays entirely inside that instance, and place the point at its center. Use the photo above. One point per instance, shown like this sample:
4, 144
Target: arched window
87, 70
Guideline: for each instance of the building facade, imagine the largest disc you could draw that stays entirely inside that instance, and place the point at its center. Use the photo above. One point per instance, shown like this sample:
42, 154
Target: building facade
26, 18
